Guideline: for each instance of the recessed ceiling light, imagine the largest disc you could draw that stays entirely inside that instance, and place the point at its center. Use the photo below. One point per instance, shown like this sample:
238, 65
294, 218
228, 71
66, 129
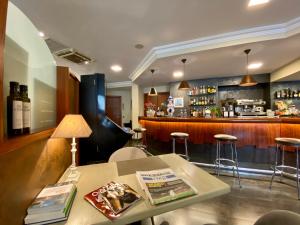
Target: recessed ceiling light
86, 62
257, 2
254, 65
177, 74
116, 68
41, 34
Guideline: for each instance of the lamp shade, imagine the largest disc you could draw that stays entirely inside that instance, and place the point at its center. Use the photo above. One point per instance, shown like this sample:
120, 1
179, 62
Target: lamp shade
248, 81
152, 92
184, 85
72, 126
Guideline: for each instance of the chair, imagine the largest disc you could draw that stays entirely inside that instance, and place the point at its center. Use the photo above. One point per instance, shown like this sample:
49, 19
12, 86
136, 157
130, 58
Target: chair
127, 153
279, 217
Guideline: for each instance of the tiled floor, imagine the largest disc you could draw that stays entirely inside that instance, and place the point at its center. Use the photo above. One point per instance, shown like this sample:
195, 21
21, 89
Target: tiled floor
240, 207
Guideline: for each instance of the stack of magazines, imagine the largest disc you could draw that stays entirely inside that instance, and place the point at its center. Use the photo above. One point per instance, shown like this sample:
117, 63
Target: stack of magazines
112, 199
52, 204
163, 186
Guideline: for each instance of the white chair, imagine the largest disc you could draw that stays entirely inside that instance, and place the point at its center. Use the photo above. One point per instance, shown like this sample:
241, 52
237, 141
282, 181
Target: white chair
127, 153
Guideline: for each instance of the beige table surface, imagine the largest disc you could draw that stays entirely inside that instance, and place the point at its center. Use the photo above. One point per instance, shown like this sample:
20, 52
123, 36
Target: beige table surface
94, 176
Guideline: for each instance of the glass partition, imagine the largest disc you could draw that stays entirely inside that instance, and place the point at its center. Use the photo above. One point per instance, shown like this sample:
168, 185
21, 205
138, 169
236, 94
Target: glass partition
28, 61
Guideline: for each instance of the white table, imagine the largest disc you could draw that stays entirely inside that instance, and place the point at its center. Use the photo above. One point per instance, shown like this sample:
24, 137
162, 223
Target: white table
94, 176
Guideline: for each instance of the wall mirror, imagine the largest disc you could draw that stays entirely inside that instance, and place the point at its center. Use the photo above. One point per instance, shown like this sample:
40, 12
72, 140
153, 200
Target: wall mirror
28, 60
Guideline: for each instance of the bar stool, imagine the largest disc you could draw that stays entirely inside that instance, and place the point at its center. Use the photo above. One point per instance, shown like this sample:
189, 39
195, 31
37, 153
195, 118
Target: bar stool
227, 139
280, 143
144, 145
177, 136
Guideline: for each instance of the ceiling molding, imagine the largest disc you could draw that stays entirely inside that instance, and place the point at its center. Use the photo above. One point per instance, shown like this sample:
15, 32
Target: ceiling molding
256, 34
119, 84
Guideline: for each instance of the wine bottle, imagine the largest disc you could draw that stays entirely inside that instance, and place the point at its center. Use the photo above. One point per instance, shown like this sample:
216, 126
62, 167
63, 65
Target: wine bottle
14, 110
26, 109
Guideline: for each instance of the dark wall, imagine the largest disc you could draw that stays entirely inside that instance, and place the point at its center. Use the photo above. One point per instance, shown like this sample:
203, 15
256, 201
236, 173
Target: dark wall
228, 88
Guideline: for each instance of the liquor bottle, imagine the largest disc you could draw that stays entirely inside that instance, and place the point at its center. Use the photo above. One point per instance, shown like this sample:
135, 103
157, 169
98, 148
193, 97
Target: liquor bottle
14, 110
26, 109
278, 94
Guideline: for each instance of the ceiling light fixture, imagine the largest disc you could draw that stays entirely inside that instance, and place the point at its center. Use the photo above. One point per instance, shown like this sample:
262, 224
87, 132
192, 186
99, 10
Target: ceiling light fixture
257, 2
178, 74
253, 66
152, 91
247, 80
184, 85
41, 34
116, 68
86, 62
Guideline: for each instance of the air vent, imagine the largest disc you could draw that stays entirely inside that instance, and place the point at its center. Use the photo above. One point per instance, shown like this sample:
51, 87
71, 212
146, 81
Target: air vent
65, 52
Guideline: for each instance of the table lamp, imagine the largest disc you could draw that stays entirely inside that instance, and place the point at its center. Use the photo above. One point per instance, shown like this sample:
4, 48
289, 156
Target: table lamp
72, 126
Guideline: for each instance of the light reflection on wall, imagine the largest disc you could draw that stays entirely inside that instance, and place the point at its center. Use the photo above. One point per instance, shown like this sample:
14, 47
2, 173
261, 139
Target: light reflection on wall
28, 61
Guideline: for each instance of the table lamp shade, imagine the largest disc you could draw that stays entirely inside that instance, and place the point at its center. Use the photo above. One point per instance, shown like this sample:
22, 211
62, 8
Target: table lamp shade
72, 126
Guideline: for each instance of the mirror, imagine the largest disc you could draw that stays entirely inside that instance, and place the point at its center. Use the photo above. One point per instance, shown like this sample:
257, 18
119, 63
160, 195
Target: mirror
28, 61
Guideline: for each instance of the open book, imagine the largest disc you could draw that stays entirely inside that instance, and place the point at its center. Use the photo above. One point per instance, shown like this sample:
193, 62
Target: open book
163, 185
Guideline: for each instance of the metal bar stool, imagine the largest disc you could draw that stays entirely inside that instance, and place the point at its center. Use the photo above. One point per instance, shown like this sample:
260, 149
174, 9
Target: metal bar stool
177, 136
280, 143
227, 139
144, 145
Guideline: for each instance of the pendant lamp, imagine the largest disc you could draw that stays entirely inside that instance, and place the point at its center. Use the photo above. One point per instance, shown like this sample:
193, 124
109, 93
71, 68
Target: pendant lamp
152, 91
184, 85
247, 80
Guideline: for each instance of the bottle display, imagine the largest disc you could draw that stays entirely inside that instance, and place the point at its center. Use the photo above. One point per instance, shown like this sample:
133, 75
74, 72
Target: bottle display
287, 94
14, 110
26, 109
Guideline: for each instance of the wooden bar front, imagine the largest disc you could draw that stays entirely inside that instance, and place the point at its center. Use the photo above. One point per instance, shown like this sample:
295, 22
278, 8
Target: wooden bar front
258, 132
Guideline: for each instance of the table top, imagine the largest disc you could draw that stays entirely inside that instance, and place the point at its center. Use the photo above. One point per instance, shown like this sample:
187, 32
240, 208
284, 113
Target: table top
94, 176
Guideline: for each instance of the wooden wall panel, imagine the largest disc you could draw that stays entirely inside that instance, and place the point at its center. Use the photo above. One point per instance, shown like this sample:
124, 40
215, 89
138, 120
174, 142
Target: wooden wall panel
3, 13
24, 172
261, 135
67, 97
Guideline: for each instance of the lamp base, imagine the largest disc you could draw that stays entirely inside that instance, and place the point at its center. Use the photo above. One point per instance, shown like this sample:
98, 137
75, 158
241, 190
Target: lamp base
73, 176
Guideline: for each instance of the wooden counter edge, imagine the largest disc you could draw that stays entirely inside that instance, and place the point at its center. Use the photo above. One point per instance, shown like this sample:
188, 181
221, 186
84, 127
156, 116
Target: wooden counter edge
223, 120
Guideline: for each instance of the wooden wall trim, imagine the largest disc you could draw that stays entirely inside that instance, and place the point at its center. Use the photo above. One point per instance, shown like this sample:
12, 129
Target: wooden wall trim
24, 140
3, 14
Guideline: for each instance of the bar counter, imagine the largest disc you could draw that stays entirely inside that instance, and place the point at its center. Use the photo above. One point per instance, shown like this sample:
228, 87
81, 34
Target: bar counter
258, 132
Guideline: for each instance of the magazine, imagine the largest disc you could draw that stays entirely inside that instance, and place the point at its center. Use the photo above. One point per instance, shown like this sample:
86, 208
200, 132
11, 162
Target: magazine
163, 185
112, 199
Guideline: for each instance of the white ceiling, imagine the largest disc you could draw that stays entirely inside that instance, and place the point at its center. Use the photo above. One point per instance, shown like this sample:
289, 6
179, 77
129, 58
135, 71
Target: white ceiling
225, 62
107, 31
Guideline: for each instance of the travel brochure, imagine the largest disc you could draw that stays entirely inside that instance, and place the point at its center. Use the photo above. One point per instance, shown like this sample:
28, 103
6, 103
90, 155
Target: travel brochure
163, 186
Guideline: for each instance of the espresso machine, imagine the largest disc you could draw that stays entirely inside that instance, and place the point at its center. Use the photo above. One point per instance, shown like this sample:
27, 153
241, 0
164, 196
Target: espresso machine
250, 107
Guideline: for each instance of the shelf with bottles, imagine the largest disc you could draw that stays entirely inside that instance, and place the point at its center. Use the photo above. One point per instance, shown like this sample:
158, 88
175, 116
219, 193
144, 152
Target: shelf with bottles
213, 104
287, 94
202, 90
202, 101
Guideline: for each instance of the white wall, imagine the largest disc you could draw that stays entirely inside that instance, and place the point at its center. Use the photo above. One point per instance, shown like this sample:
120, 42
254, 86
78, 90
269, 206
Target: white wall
286, 71
137, 94
28, 60
125, 93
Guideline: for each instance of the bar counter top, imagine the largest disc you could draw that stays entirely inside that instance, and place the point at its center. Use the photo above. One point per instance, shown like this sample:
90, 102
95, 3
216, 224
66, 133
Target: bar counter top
259, 132
294, 120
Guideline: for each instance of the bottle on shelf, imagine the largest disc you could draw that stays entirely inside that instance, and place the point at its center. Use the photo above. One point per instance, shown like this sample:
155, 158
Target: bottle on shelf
14, 110
26, 109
